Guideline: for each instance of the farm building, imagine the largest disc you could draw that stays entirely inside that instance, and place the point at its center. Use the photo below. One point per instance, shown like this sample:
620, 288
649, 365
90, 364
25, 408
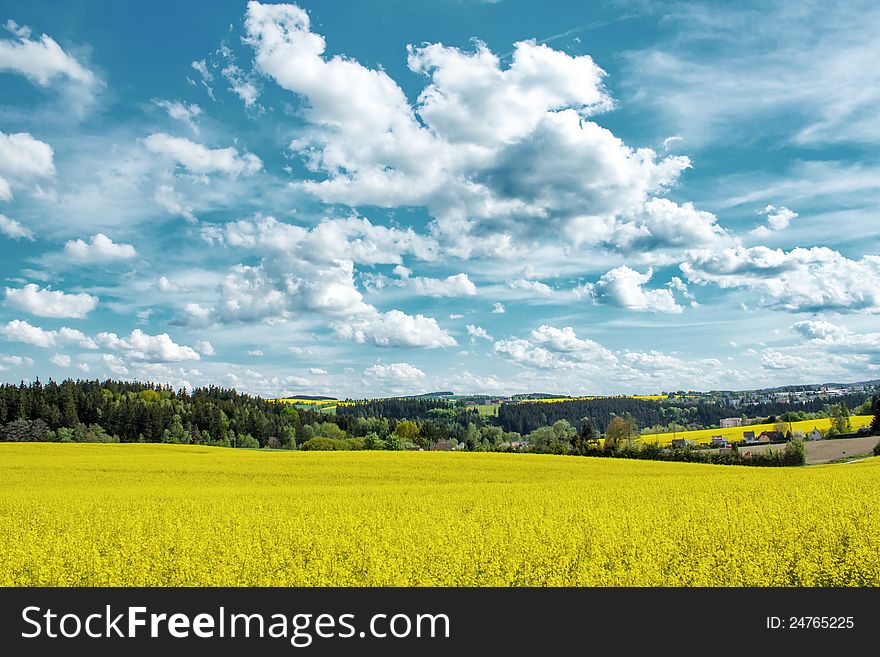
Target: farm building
730, 422
815, 434
771, 437
443, 446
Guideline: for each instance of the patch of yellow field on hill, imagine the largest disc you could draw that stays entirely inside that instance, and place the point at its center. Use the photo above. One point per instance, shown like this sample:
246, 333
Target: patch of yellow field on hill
736, 433
554, 400
162, 515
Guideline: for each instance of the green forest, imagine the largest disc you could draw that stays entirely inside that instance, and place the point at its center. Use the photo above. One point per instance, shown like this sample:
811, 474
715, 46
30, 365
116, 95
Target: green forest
117, 411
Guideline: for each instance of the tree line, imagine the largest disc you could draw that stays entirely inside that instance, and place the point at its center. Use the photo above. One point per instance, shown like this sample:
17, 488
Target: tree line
116, 411
524, 417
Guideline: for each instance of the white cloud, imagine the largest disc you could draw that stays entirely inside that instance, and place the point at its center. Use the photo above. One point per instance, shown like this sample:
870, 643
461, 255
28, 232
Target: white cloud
776, 360
458, 285
18, 330
173, 202
531, 287
622, 287
498, 308
456, 316
140, 346
114, 365
99, 249
205, 348
777, 219
395, 329
49, 303
17, 361
833, 339
317, 371
826, 93
489, 150
394, 372
14, 230
477, 332
186, 114
84, 367
61, 360
800, 280
657, 231
199, 160
241, 84
196, 314
40, 60
21, 331
201, 67
254, 352
549, 347
22, 159
166, 285
312, 270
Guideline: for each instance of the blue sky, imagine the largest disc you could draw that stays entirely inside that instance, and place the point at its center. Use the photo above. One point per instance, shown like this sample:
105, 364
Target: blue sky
378, 198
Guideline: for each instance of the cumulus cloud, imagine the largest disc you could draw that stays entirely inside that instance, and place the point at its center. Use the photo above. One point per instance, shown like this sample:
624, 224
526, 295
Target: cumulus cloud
549, 347
61, 360
41, 60
458, 285
173, 202
776, 360
800, 280
311, 270
824, 349
243, 85
488, 149
498, 308
550, 354
23, 159
477, 332
49, 303
623, 287
200, 160
395, 329
114, 364
18, 330
394, 372
536, 288
140, 346
166, 285
186, 114
205, 348
12, 229
777, 219
99, 249
834, 339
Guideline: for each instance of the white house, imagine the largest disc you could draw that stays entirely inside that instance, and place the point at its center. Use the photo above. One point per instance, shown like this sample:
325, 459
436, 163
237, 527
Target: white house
815, 434
730, 422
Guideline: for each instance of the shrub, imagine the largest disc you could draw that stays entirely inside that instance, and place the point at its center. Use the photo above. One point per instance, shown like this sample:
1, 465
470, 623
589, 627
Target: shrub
795, 453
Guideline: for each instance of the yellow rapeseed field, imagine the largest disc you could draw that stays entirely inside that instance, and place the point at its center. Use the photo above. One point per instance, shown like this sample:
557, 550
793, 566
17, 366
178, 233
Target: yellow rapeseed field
161, 515
735, 434
555, 400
